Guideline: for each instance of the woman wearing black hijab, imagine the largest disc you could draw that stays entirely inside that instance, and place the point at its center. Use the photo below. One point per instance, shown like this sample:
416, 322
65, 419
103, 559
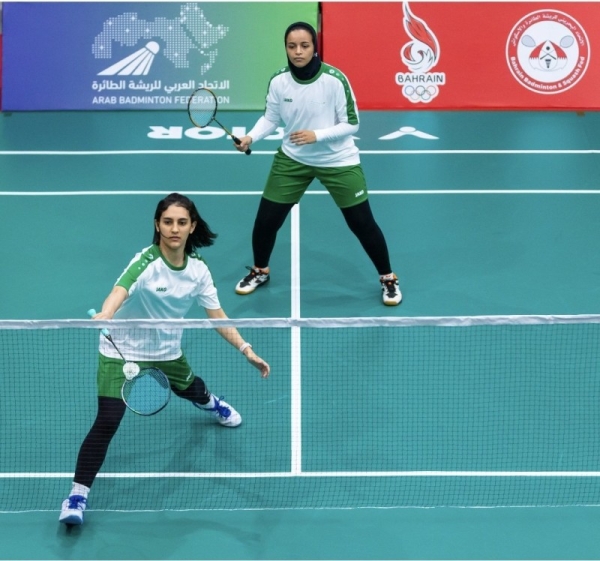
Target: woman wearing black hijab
316, 103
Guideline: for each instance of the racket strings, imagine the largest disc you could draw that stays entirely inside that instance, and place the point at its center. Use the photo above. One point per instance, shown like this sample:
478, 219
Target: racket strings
202, 107
148, 393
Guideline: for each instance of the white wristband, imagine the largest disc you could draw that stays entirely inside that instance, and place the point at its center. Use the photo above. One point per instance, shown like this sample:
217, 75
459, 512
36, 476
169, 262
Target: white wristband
244, 346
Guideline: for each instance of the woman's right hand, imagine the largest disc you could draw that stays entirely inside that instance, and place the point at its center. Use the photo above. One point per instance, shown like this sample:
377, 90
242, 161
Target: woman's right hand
245, 142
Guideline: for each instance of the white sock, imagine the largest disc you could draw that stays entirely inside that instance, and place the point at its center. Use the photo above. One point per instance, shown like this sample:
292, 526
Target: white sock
80, 490
210, 404
389, 277
263, 270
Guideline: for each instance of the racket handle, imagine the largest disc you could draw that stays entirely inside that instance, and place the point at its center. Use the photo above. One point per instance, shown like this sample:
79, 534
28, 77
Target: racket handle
91, 312
238, 142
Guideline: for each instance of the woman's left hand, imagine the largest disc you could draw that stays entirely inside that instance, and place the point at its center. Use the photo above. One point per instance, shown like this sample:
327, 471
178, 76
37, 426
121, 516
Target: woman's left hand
257, 362
303, 137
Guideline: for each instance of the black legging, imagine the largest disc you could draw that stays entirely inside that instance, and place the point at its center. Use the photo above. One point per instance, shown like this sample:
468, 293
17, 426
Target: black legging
110, 413
271, 216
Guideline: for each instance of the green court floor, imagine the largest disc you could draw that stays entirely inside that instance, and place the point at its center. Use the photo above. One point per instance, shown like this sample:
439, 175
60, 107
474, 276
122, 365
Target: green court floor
485, 213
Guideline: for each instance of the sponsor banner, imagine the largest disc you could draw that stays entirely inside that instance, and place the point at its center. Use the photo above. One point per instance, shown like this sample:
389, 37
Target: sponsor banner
143, 55
466, 55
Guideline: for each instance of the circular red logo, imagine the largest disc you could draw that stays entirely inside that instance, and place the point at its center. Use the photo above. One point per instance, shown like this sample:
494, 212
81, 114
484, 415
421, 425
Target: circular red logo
548, 52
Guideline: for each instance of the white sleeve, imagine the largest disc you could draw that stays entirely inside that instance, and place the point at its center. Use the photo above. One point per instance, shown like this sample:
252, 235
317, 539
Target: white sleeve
336, 132
206, 294
262, 129
342, 127
269, 122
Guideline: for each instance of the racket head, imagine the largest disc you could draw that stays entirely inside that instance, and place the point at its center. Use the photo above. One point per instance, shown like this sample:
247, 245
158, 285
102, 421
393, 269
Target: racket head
148, 393
202, 107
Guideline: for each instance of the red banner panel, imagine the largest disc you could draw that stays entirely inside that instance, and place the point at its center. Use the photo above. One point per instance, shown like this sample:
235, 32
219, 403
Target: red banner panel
466, 55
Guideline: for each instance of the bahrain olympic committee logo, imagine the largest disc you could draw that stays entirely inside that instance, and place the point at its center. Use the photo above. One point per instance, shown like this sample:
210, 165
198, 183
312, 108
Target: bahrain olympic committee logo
548, 52
191, 31
420, 55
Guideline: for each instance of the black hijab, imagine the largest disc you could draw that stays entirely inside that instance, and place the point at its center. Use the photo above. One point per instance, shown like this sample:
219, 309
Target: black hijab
312, 68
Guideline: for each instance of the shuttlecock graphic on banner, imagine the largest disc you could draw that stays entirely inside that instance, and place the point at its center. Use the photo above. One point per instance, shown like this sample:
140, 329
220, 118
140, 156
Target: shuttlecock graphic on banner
137, 64
175, 38
420, 55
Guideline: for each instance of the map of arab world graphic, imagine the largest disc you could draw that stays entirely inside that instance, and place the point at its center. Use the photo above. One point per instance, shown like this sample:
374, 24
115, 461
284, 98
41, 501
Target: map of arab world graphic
191, 31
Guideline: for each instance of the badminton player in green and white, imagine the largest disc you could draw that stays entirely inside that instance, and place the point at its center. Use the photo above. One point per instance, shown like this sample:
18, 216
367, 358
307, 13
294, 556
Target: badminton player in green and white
317, 106
163, 281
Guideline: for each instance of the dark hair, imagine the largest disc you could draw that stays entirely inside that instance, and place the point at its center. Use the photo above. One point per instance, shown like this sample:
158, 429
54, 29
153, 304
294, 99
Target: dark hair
202, 236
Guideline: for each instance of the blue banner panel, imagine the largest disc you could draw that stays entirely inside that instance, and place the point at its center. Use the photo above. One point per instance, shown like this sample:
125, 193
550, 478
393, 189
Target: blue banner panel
143, 55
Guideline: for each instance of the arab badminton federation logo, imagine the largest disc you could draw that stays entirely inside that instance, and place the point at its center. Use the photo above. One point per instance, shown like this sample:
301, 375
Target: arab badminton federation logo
191, 31
548, 52
420, 55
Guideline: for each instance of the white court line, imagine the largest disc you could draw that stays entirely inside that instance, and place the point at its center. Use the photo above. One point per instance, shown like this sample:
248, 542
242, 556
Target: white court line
474, 192
537, 151
295, 259
122, 152
480, 192
115, 193
272, 152
280, 474
296, 369
308, 193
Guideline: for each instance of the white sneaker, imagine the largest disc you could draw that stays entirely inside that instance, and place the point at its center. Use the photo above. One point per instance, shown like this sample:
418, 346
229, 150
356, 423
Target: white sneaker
391, 292
72, 510
223, 413
251, 281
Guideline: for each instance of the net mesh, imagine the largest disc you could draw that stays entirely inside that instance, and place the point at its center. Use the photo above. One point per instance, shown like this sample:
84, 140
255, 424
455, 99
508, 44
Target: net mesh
202, 107
365, 412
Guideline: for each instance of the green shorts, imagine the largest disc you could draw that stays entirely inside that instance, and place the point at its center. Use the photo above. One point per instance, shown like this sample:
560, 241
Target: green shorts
289, 179
111, 377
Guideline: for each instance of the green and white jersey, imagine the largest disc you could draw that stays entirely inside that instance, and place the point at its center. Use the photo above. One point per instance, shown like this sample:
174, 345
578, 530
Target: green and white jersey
158, 290
325, 104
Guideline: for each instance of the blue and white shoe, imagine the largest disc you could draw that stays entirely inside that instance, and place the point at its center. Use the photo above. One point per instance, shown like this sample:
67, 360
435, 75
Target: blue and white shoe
223, 413
72, 510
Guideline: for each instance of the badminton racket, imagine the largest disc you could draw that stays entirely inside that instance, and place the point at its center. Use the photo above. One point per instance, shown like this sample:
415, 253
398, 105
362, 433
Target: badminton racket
202, 109
145, 391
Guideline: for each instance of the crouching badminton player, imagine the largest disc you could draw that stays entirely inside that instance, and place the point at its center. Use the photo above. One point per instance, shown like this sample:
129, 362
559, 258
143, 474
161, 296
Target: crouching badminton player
172, 264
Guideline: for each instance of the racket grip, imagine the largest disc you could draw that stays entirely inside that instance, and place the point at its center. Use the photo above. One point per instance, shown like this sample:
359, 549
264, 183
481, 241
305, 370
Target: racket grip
238, 142
91, 312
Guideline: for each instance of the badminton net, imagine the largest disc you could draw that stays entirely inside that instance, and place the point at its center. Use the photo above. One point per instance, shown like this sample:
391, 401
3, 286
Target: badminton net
358, 412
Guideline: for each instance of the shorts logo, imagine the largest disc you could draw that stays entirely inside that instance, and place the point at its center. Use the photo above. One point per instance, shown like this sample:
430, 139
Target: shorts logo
288, 99
420, 55
161, 289
548, 52
356, 195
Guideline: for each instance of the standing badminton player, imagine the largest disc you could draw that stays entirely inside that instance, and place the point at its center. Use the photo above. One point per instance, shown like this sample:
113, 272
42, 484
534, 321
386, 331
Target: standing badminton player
316, 103
161, 282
